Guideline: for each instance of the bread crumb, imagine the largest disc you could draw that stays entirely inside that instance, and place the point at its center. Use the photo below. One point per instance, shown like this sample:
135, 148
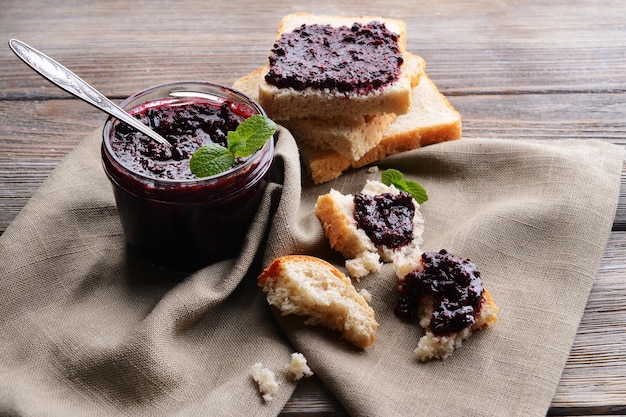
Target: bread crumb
373, 169
298, 366
364, 263
266, 381
366, 294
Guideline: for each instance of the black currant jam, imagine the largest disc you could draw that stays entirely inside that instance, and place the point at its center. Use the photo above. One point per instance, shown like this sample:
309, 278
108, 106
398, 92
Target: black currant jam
455, 286
360, 58
177, 221
187, 125
387, 219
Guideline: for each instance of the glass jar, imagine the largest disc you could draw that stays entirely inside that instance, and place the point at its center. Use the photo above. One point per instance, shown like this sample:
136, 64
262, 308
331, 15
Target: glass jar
182, 224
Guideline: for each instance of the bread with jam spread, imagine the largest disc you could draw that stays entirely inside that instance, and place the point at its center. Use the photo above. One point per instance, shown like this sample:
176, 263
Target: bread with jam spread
446, 294
431, 346
336, 212
313, 288
431, 119
339, 141
328, 101
352, 137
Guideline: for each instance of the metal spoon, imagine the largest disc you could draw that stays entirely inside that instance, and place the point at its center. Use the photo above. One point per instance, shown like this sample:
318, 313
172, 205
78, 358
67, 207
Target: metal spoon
70, 82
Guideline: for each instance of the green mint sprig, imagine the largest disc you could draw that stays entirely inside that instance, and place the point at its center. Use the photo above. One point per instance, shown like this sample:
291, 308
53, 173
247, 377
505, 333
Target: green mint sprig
396, 178
250, 136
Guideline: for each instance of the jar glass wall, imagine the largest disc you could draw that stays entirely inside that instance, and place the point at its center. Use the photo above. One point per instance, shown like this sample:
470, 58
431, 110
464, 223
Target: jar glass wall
183, 224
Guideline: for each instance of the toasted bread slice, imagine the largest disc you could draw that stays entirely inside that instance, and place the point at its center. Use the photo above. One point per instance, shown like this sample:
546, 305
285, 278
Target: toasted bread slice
336, 213
284, 103
431, 120
311, 287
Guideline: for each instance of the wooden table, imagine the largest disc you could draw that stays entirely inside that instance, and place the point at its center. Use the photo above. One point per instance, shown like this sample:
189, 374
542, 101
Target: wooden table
518, 69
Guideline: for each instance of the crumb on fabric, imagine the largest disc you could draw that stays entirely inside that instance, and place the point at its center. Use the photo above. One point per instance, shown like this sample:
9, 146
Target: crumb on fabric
266, 381
298, 366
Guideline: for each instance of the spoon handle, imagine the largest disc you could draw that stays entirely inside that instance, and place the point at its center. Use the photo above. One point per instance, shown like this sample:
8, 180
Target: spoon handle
73, 84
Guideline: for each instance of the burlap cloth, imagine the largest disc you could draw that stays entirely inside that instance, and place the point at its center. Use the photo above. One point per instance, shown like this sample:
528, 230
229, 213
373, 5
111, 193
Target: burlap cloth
89, 329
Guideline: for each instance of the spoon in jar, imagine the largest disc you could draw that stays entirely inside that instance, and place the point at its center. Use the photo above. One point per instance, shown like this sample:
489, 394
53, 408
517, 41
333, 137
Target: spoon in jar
70, 82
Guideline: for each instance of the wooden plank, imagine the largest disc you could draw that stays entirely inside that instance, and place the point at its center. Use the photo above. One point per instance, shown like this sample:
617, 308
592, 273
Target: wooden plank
595, 374
34, 137
499, 48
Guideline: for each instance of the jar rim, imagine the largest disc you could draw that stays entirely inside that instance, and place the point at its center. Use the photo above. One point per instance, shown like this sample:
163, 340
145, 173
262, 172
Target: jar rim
183, 89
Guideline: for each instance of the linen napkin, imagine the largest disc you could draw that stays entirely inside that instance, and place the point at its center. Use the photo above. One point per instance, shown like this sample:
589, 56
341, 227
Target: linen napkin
534, 216
89, 328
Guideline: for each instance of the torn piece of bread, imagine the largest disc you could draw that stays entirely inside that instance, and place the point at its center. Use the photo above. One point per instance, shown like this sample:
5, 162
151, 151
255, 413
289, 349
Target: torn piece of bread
447, 295
430, 120
284, 102
431, 346
336, 212
313, 288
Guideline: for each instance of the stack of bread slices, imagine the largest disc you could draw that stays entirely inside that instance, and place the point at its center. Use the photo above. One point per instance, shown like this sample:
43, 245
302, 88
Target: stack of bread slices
336, 131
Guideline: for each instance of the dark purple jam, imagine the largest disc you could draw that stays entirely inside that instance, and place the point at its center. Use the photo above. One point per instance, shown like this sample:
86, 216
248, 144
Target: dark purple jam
360, 58
187, 125
387, 219
455, 286
175, 220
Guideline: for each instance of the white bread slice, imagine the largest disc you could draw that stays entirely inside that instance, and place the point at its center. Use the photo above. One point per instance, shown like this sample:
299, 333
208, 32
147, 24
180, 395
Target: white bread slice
431, 346
336, 213
431, 120
352, 137
287, 103
311, 287
249, 84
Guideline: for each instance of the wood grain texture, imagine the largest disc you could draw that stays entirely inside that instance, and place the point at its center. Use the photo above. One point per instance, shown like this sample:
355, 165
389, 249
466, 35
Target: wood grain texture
521, 69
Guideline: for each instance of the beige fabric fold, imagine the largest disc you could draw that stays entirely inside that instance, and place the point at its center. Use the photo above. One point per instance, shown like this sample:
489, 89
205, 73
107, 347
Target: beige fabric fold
90, 329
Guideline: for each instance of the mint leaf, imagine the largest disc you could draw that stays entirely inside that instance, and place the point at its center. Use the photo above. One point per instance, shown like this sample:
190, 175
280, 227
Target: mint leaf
391, 176
396, 178
250, 135
211, 160
417, 191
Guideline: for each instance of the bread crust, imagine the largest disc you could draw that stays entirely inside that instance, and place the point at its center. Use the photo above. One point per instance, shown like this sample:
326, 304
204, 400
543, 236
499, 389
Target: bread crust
340, 228
311, 287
